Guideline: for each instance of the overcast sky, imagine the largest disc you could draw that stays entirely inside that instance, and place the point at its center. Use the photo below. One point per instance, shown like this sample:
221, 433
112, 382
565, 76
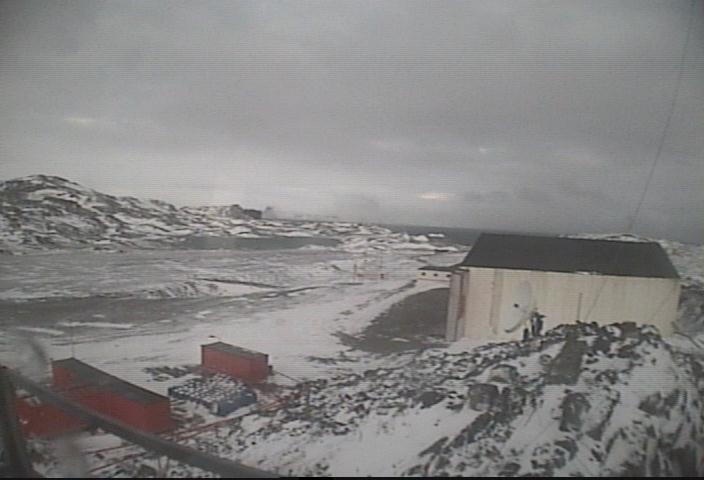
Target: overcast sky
522, 115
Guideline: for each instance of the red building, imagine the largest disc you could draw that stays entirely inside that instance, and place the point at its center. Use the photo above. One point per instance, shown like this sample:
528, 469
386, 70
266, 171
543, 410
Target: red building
112, 396
42, 419
234, 361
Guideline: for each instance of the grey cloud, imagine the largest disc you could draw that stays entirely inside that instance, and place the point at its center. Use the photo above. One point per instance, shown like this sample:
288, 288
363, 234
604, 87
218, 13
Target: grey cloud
490, 198
534, 196
307, 104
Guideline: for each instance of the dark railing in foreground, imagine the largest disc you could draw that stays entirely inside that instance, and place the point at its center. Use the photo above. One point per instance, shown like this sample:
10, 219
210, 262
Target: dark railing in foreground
14, 461
181, 453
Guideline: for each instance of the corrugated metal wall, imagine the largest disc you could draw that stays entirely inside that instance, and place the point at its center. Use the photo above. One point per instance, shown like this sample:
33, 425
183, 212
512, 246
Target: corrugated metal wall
247, 369
561, 297
149, 417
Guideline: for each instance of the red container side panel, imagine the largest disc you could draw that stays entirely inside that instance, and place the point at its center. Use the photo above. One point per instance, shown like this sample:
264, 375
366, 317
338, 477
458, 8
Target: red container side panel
247, 369
158, 418
152, 417
215, 361
63, 377
45, 420
259, 370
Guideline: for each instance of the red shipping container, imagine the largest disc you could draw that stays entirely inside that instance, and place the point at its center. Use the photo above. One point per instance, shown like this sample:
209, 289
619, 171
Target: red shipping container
44, 420
236, 362
112, 396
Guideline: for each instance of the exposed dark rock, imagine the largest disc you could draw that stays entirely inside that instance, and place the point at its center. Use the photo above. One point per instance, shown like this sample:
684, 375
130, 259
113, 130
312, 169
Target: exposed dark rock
629, 330
482, 396
545, 360
435, 447
430, 398
569, 445
633, 469
145, 471
503, 374
509, 470
597, 431
252, 213
470, 433
673, 398
685, 459
567, 365
601, 344
574, 407
654, 405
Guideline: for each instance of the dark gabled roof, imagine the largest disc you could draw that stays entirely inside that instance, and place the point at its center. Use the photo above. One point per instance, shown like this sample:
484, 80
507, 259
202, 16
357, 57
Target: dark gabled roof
88, 376
238, 351
561, 254
438, 268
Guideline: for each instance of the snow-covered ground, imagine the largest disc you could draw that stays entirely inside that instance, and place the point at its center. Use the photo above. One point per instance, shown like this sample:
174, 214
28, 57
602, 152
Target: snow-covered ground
504, 409
127, 312
130, 313
631, 405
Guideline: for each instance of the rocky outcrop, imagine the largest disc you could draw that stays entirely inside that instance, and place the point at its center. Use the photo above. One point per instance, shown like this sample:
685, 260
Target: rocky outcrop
43, 212
583, 400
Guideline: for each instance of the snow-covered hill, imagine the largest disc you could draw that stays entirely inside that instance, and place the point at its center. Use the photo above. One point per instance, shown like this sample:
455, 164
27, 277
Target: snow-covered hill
584, 400
43, 212
229, 211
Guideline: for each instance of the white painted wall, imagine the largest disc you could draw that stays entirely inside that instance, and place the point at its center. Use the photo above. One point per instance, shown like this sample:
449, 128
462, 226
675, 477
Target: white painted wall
484, 300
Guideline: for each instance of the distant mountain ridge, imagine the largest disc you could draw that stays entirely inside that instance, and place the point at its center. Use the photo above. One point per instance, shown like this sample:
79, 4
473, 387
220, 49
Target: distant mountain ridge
230, 211
44, 212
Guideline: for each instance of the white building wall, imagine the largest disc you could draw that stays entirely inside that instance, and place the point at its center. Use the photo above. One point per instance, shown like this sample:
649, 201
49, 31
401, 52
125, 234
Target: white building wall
453, 307
562, 298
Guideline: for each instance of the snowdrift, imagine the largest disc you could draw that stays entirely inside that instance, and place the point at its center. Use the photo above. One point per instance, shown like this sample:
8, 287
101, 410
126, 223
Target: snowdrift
583, 400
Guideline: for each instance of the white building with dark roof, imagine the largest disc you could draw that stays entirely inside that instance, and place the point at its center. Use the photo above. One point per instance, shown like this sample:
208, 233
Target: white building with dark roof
506, 279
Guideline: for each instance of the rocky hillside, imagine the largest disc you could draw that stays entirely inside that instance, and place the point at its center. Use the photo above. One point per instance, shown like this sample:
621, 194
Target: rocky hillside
583, 400
42, 212
227, 211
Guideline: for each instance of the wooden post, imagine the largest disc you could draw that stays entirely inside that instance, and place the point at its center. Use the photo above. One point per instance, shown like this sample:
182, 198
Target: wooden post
16, 459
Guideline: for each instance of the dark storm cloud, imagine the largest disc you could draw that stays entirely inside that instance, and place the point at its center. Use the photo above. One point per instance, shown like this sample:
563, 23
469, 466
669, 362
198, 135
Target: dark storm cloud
514, 115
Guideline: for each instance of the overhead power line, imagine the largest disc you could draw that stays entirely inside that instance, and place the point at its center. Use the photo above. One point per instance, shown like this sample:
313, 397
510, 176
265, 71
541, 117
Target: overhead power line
661, 143
671, 111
